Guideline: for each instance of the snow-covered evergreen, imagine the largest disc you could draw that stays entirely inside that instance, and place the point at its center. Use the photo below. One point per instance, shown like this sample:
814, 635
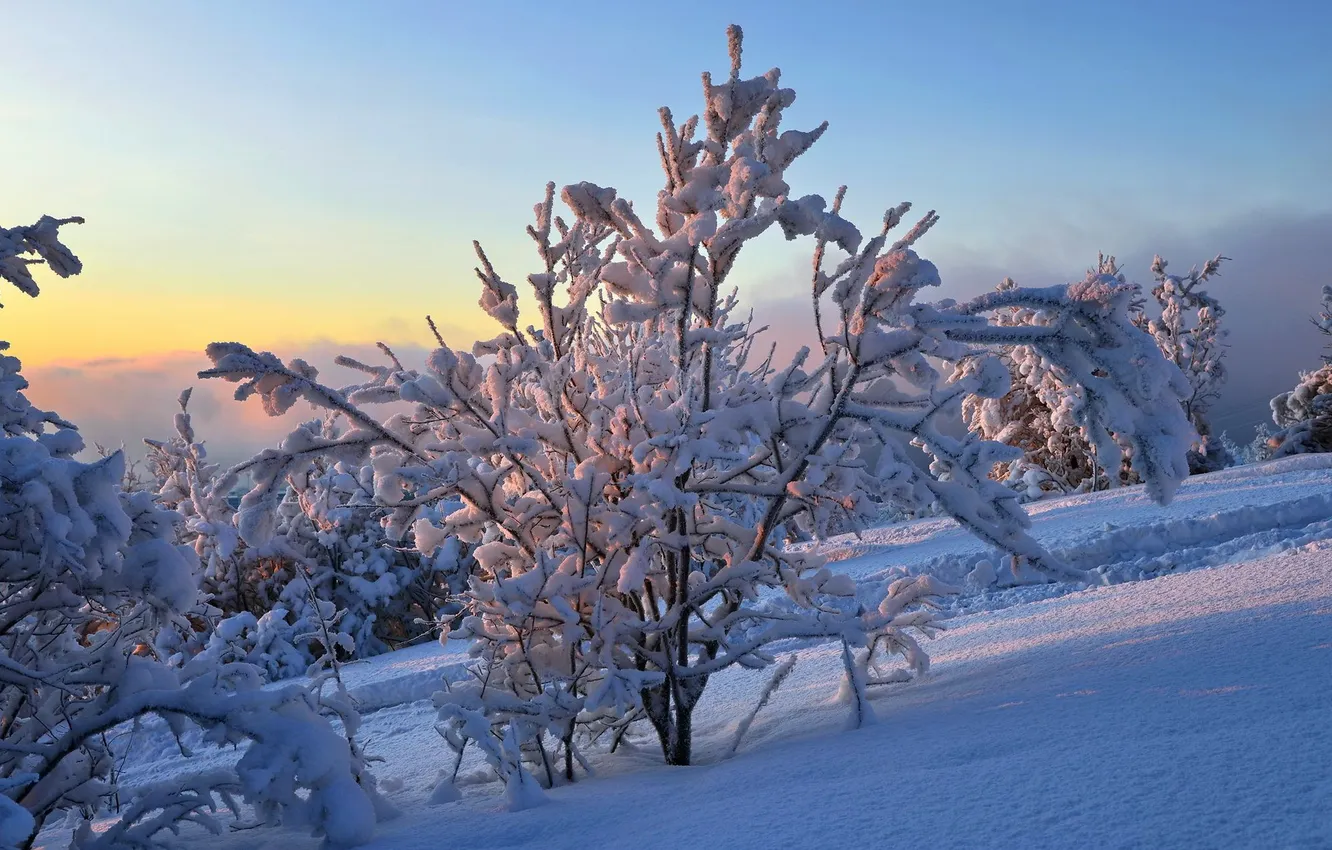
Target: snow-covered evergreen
629, 461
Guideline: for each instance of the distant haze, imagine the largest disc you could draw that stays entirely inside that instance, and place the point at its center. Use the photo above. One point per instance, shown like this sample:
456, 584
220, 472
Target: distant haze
1269, 289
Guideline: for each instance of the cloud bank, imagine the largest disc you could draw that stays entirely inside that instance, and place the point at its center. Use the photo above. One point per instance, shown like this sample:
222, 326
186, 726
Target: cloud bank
119, 401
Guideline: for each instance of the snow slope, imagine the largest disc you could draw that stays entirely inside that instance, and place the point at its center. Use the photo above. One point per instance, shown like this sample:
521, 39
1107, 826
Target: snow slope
1121, 535
1193, 710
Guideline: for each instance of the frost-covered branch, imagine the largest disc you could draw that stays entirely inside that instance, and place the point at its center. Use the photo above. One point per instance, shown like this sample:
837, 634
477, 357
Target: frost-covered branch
89, 577
21, 247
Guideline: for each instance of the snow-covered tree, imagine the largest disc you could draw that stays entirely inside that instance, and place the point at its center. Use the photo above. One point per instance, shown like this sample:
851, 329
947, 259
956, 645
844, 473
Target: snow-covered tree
1303, 415
1036, 415
1187, 329
88, 575
1039, 413
1260, 447
1323, 319
629, 461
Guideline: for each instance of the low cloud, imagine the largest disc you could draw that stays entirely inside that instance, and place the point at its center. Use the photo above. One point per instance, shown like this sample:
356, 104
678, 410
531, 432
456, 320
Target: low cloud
119, 401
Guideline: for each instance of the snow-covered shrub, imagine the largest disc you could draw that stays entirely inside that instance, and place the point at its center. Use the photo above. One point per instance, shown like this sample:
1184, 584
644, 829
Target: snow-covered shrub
1259, 448
1304, 402
257, 604
88, 575
237, 616
270, 642
628, 463
1304, 415
891, 513
1039, 414
1036, 415
1239, 455
329, 520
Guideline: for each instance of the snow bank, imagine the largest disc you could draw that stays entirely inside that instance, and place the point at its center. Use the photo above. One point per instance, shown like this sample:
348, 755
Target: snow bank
1120, 535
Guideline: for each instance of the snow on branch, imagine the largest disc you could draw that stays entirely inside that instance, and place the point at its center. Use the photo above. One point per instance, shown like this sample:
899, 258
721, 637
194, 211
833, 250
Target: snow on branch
21, 247
90, 575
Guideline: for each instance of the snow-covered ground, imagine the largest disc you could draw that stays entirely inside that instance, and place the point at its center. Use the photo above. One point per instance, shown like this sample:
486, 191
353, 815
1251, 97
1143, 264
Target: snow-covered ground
1226, 517
1192, 710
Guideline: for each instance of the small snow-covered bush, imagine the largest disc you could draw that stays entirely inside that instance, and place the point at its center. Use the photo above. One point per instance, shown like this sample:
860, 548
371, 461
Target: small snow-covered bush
1304, 415
259, 603
1038, 415
89, 574
1260, 447
629, 461
329, 521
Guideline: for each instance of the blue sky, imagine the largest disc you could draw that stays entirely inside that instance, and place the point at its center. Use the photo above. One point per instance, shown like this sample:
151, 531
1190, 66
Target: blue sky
286, 172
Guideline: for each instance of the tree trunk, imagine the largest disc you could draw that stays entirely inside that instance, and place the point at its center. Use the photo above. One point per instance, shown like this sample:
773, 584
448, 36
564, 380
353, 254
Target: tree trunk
670, 708
657, 704
682, 744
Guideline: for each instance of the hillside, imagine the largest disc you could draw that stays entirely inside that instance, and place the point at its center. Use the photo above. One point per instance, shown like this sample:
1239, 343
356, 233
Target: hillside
1186, 710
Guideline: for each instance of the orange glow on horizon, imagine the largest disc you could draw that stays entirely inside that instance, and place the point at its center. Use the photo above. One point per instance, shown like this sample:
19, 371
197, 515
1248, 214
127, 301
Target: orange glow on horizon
80, 320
